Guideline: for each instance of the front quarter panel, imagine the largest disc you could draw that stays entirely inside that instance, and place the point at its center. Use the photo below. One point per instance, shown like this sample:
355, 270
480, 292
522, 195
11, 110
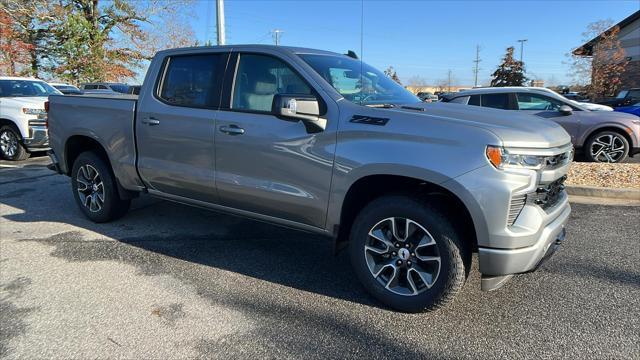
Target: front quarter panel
427, 148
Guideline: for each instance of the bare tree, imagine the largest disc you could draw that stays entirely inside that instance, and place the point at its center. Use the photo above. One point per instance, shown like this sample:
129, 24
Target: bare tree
391, 72
605, 64
417, 81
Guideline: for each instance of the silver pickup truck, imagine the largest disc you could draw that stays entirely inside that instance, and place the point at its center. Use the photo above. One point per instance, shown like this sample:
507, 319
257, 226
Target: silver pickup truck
322, 142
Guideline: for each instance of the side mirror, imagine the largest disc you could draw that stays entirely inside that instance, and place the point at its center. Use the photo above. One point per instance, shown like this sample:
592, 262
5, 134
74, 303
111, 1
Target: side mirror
565, 110
305, 108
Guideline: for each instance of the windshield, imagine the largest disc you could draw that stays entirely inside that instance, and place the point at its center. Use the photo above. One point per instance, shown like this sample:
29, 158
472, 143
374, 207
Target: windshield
66, 87
26, 88
121, 88
372, 88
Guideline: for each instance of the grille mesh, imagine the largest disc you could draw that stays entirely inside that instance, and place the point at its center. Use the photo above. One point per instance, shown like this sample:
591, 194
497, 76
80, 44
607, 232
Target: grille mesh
516, 205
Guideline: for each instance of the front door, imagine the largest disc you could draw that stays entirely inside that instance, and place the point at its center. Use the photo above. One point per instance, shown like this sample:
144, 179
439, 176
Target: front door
267, 165
548, 108
175, 126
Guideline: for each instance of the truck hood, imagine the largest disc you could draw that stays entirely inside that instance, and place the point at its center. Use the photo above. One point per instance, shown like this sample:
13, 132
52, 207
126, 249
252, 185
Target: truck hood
513, 128
33, 102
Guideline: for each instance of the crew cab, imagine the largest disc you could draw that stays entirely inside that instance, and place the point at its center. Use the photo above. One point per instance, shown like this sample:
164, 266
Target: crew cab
324, 143
23, 117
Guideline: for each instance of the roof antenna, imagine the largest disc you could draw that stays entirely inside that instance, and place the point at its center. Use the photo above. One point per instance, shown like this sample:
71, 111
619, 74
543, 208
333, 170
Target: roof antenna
352, 54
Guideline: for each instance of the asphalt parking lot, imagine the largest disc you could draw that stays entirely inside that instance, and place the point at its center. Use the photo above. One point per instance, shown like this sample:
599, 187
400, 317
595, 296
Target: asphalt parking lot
169, 281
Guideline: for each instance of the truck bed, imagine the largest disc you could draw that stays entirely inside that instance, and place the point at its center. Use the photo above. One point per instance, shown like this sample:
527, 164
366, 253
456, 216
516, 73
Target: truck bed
107, 119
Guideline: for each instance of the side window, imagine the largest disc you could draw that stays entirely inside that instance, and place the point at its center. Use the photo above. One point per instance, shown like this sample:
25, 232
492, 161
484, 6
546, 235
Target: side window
460, 100
259, 78
474, 100
192, 80
89, 87
102, 87
496, 101
537, 102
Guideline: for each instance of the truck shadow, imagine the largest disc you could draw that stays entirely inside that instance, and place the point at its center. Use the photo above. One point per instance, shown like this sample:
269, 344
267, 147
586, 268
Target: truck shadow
287, 257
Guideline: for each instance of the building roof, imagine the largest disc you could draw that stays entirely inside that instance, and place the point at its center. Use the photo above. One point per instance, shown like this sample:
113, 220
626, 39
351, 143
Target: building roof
587, 48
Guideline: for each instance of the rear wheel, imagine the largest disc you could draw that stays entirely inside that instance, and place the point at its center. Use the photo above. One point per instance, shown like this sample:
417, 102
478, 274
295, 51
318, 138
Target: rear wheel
10, 146
607, 146
407, 254
95, 189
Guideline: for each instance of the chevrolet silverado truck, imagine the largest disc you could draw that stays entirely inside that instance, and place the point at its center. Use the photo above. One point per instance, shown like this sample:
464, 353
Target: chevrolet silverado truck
23, 117
324, 143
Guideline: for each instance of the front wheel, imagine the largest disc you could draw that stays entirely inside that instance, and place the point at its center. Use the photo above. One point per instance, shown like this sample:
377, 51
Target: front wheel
10, 146
408, 254
607, 146
95, 189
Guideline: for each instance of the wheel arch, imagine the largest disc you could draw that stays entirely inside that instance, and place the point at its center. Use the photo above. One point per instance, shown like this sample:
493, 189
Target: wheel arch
608, 127
445, 195
77, 144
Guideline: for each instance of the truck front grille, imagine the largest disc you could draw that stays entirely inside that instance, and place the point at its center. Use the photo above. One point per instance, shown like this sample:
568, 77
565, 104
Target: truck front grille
545, 196
548, 195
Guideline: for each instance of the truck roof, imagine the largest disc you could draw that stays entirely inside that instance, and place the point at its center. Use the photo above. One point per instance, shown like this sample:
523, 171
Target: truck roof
278, 48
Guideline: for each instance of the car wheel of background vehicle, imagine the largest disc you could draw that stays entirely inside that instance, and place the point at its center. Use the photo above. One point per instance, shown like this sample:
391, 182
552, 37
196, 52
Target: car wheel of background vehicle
95, 189
607, 146
10, 146
407, 254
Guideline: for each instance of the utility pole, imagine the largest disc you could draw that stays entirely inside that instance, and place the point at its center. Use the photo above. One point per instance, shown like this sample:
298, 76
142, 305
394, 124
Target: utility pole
220, 21
522, 41
449, 81
276, 35
477, 67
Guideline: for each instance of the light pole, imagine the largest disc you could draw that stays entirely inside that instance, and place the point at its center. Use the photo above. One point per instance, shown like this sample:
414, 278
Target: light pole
220, 21
522, 41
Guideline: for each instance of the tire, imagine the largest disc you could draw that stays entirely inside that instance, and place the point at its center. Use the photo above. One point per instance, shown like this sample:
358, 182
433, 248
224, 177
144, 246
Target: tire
428, 292
11, 147
100, 203
606, 146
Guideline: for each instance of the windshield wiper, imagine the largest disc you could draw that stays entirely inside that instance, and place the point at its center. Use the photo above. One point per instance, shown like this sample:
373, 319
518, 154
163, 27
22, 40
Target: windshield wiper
412, 108
384, 106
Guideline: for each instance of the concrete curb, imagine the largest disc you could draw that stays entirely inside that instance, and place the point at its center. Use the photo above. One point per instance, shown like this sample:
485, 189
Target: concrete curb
594, 191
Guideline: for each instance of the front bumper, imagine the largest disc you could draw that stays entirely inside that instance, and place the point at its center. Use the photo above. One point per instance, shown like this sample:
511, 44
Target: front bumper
38, 139
497, 262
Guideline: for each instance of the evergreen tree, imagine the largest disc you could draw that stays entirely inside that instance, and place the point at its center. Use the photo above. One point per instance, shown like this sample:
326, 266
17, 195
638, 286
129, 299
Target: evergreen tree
510, 72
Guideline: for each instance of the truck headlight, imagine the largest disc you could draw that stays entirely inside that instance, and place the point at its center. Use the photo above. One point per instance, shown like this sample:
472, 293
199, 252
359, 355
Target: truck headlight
503, 158
30, 111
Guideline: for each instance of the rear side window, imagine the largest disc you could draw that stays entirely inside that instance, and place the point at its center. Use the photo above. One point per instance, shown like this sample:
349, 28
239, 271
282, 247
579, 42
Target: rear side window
474, 100
496, 101
461, 100
193, 80
89, 87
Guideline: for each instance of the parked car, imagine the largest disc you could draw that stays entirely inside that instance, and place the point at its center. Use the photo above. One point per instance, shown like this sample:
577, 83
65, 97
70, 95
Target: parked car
632, 109
66, 89
289, 136
602, 136
583, 103
624, 98
116, 87
427, 96
23, 117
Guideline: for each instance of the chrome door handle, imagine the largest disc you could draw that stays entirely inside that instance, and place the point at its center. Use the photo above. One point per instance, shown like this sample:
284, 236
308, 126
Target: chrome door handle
151, 121
232, 130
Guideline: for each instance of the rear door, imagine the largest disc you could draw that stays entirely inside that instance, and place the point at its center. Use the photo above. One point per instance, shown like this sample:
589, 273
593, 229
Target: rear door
175, 125
548, 108
264, 164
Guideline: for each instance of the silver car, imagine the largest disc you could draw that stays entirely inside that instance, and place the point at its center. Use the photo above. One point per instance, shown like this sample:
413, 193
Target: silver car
601, 136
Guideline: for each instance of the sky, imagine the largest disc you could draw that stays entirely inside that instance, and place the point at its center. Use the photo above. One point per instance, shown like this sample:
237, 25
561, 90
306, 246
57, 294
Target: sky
421, 38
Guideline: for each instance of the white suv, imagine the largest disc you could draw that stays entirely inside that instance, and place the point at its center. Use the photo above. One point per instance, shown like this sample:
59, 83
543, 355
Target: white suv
23, 119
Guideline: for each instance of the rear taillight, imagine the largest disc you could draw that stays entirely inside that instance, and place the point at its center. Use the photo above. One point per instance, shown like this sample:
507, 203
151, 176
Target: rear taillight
46, 108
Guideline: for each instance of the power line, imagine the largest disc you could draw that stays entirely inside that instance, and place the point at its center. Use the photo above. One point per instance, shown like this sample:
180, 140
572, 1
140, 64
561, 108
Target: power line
477, 67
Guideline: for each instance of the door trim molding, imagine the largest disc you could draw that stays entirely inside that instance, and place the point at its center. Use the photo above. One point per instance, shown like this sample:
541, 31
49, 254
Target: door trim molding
242, 213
